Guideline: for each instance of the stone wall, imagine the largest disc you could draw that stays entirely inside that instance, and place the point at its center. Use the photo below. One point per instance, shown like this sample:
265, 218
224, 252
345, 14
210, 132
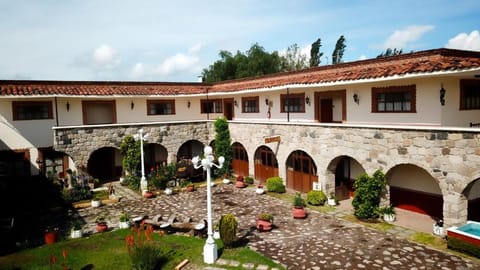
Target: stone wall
451, 157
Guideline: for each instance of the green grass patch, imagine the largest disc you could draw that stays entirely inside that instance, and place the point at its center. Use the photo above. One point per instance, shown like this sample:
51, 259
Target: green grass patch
109, 251
429, 240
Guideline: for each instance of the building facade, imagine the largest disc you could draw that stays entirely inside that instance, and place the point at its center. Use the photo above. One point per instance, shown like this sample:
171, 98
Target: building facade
414, 116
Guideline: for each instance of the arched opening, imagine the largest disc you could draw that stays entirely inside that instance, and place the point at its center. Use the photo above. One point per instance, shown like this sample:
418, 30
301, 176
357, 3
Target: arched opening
301, 171
472, 193
105, 164
239, 159
266, 164
414, 189
190, 149
155, 155
346, 171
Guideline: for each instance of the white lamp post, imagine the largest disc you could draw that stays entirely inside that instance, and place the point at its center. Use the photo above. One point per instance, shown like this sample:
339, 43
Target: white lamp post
210, 249
143, 180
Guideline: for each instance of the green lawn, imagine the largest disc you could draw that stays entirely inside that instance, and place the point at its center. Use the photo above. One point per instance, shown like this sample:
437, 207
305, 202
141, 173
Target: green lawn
108, 251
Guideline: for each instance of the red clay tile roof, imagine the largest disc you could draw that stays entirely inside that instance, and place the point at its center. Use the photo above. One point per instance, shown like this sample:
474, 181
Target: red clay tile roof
423, 62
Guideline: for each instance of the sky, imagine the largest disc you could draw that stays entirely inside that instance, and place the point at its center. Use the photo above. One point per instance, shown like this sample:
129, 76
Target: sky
173, 41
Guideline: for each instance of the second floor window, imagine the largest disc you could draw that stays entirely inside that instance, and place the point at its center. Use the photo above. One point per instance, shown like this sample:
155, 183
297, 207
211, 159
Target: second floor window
211, 106
250, 104
32, 110
470, 95
292, 103
161, 107
393, 99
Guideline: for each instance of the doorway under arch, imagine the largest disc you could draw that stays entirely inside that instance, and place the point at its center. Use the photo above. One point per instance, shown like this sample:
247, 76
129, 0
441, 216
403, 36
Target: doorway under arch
189, 149
266, 164
472, 194
414, 189
155, 155
105, 164
239, 159
301, 171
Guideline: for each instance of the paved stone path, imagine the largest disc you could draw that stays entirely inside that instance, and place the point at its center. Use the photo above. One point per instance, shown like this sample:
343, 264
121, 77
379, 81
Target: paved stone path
321, 241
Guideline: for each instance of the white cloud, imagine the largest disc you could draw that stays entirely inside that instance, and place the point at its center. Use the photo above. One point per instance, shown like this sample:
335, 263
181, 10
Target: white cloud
195, 48
176, 63
138, 71
105, 57
464, 41
401, 38
362, 57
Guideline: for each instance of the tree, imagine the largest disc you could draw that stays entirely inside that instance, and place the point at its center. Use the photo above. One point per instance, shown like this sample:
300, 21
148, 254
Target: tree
337, 55
254, 62
223, 144
130, 150
315, 54
294, 59
390, 52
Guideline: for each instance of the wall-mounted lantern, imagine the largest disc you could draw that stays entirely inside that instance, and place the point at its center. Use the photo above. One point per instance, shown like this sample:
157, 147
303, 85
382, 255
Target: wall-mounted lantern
235, 103
68, 106
442, 95
188, 104
266, 101
307, 100
356, 99
132, 105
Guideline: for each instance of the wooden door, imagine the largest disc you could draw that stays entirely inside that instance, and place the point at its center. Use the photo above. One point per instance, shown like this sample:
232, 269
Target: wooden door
326, 110
228, 108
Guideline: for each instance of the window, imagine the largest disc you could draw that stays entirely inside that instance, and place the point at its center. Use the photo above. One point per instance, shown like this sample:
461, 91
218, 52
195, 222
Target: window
161, 107
469, 94
97, 112
292, 103
250, 104
32, 110
394, 99
211, 106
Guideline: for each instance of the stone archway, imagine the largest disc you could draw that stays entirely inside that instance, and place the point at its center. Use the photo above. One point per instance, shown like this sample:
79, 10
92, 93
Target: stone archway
266, 164
345, 170
155, 155
472, 194
413, 188
105, 164
301, 171
190, 149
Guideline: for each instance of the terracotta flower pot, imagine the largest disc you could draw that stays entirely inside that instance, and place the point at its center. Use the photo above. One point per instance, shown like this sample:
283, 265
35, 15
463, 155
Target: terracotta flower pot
102, 226
50, 237
264, 225
190, 188
239, 184
299, 212
148, 194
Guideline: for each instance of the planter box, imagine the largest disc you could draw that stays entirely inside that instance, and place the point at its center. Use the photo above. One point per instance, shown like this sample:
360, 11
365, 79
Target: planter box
124, 224
76, 234
96, 203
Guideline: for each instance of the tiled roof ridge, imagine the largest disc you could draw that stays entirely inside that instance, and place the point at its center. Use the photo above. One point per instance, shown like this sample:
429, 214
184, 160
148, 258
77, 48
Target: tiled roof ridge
410, 63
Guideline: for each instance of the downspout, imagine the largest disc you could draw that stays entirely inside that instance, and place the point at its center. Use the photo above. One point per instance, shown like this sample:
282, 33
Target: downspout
288, 105
208, 110
56, 110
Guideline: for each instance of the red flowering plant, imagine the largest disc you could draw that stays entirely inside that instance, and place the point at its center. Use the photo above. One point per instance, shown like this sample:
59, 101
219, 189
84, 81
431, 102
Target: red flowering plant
141, 248
52, 261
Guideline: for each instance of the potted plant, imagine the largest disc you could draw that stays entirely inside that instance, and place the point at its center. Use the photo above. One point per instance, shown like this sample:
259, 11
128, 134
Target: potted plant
216, 231
438, 228
298, 210
168, 191
225, 179
264, 222
124, 221
147, 194
249, 180
101, 224
387, 213
96, 202
331, 199
190, 187
239, 182
260, 190
76, 230
50, 236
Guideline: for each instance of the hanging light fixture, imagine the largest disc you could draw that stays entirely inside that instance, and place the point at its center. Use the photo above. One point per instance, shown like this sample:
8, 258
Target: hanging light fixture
68, 106
356, 99
442, 95
132, 105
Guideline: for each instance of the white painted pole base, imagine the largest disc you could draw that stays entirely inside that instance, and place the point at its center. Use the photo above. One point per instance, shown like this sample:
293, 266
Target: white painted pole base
210, 252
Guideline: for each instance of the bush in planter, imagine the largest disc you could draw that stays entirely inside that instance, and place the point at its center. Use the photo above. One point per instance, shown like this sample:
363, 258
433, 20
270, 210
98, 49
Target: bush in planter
316, 197
368, 194
77, 193
228, 229
298, 201
275, 184
249, 180
265, 216
460, 245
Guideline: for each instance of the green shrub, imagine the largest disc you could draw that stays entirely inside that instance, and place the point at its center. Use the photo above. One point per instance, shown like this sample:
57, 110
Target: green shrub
275, 184
249, 180
463, 246
77, 193
228, 229
316, 197
298, 201
133, 182
368, 192
265, 216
